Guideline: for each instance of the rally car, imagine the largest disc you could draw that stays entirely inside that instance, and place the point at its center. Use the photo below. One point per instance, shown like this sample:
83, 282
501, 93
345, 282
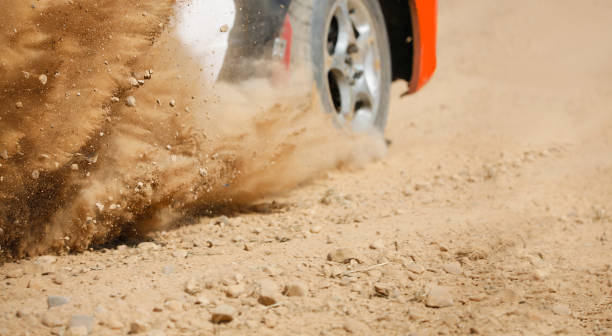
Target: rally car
355, 48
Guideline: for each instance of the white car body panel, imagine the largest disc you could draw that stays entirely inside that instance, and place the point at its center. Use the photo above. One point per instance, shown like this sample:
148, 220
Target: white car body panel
198, 27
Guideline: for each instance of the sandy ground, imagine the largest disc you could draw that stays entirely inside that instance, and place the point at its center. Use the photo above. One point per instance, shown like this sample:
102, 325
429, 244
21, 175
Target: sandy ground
487, 216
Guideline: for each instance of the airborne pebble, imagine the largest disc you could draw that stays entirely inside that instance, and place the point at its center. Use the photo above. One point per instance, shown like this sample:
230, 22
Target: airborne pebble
130, 101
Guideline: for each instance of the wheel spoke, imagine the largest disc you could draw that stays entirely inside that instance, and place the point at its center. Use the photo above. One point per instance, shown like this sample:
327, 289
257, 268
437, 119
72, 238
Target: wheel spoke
347, 95
346, 34
363, 92
337, 62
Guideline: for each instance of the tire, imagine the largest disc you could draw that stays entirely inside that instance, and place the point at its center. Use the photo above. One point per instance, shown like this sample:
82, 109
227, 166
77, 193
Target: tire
346, 46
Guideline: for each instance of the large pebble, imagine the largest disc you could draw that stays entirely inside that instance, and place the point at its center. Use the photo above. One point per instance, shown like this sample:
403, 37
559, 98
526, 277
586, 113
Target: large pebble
138, 326
296, 289
192, 287
54, 301
561, 309
77, 331
50, 319
453, 268
439, 297
145, 246
82, 321
268, 292
223, 314
415, 268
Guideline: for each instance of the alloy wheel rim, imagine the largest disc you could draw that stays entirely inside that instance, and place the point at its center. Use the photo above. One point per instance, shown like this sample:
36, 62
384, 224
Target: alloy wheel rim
352, 64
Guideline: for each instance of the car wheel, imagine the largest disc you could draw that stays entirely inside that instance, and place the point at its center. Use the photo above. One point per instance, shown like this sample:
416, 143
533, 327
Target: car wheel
346, 44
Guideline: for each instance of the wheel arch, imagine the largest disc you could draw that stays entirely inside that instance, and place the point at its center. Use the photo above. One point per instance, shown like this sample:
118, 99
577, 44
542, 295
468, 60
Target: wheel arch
411, 27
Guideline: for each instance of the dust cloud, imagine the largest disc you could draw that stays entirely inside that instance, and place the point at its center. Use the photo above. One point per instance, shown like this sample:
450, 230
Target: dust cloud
107, 129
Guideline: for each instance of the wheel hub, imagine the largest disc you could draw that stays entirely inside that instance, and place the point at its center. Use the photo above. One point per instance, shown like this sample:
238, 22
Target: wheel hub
350, 64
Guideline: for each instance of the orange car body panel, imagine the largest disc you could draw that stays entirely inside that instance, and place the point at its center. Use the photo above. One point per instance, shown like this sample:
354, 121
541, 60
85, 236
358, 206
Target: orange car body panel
425, 23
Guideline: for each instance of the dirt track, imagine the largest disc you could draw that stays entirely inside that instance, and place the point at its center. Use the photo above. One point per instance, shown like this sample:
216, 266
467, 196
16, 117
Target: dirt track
491, 201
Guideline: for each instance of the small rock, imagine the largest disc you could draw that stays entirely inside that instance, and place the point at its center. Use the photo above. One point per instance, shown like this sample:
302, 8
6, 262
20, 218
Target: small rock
43, 79
114, 99
192, 287
561, 309
145, 246
268, 292
74, 166
181, 254
36, 283
133, 81
235, 291
15, 273
174, 305
238, 239
439, 297
47, 259
415, 268
378, 244
540, 274
223, 314
316, 229
172, 103
355, 327
138, 327
113, 322
343, 255
82, 321
453, 268
22, 313
201, 300
76, 331
270, 320
35, 174
130, 101
19, 105
4, 154
224, 28
384, 289
54, 301
50, 319
296, 289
